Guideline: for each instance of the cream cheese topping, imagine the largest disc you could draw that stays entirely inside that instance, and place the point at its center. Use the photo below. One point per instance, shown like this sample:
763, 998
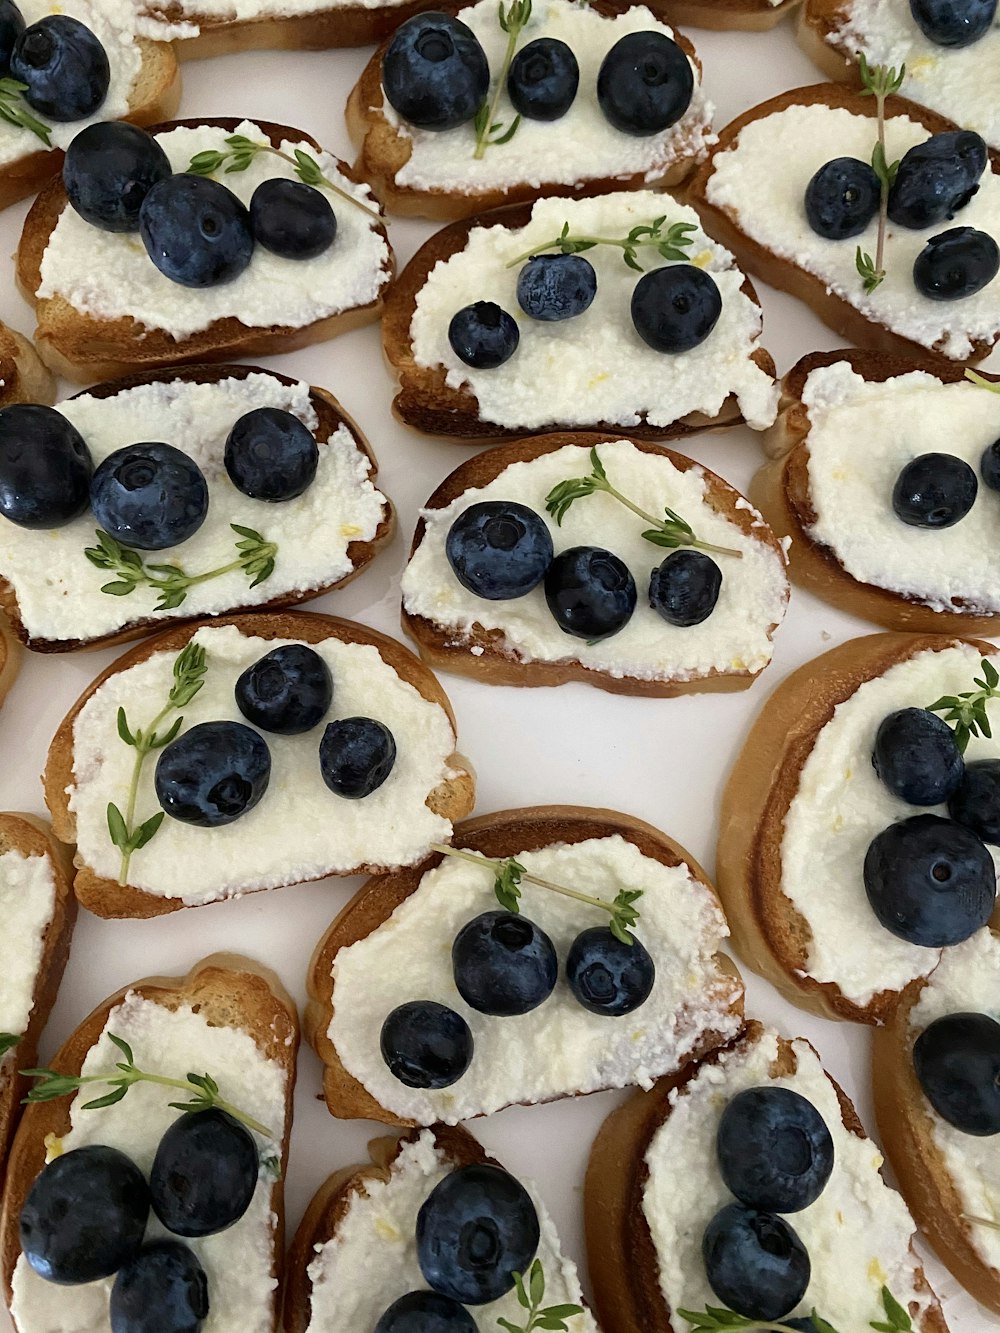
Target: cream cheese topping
736, 637
27, 902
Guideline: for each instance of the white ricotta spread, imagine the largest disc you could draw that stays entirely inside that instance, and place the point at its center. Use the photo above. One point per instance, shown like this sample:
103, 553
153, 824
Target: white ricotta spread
560, 1048
595, 367
312, 531
736, 637
27, 901
857, 1233
300, 830
861, 435
760, 181
966, 981
237, 1262
110, 276
582, 145
372, 1259
840, 806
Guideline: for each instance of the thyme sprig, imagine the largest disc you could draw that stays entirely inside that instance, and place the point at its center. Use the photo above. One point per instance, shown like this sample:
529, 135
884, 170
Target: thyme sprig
488, 129
668, 244
880, 82
981, 382
715, 1317
897, 1320
530, 1298
14, 110
241, 151
992, 1223
671, 531
966, 713
8, 1040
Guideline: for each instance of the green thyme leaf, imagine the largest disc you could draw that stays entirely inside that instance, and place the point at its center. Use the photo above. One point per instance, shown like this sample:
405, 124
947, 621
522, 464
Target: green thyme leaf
8, 1040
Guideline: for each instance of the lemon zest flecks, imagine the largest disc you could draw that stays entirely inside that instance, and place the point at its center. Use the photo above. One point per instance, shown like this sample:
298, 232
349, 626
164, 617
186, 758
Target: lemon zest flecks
53, 1147
349, 530
386, 1230
703, 259
877, 1273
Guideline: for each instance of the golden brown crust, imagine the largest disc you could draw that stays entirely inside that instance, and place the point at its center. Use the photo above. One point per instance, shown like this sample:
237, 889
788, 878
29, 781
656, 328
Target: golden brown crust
817, 29
498, 835
10, 657
726, 15
453, 799
23, 377
345, 25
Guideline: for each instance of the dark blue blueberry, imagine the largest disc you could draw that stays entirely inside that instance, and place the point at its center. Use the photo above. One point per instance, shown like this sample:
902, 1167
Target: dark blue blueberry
608, 976
483, 335
774, 1148
287, 691
356, 756
975, 802
755, 1262
936, 178
292, 219
475, 1230
204, 1173
109, 169
426, 1045
675, 308
842, 198
685, 587
64, 66
270, 455
989, 465
957, 1062
212, 774
543, 79
45, 467
916, 757
934, 491
590, 592
426, 1312
84, 1216
435, 72
954, 22
499, 549
956, 264
162, 1290
11, 27
149, 496
504, 964
555, 287
930, 881
195, 231
645, 83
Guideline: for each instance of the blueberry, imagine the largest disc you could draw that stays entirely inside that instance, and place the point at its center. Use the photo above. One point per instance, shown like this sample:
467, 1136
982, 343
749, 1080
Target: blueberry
475, 1230
426, 1312
287, 691
957, 1062
162, 1290
916, 757
775, 1151
956, 264
645, 83
65, 67
975, 802
45, 467
499, 549
204, 1173
543, 79
842, 198
590, 592
84, 1216
684, 589
755, 1262
109, 169
936, 178
292, 219
930, 881
435, 72
195, 231
608, 976
503, 964
934, 491
675, 308
356, 755
426, 1045
212, 774
555, 287
483, 335
270, 455
989, 465
150, 496
11, 27
954, 22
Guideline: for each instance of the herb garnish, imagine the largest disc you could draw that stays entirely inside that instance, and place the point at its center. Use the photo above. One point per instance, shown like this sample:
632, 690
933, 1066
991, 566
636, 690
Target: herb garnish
715, 1317
896, 1318
488, 130
981, 382
966, 713
671, 531
203, 1088
14, 110
668, 244
530, 1298
8, 1040
981, 1221
880, 82
241, 151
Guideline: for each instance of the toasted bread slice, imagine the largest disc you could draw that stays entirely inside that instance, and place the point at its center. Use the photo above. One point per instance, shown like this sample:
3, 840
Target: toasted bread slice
631, 1274
85, 345
678, 919
434, 786
68, 612
23, 377
856, 480
518, 642
10, 657
824, 949
223, 992
730, 15
756, 210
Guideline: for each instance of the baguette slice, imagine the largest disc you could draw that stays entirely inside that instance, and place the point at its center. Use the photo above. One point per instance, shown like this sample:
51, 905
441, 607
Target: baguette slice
729, 15
23, 377
713, 1015
10, 657
624, 1263
228, 991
